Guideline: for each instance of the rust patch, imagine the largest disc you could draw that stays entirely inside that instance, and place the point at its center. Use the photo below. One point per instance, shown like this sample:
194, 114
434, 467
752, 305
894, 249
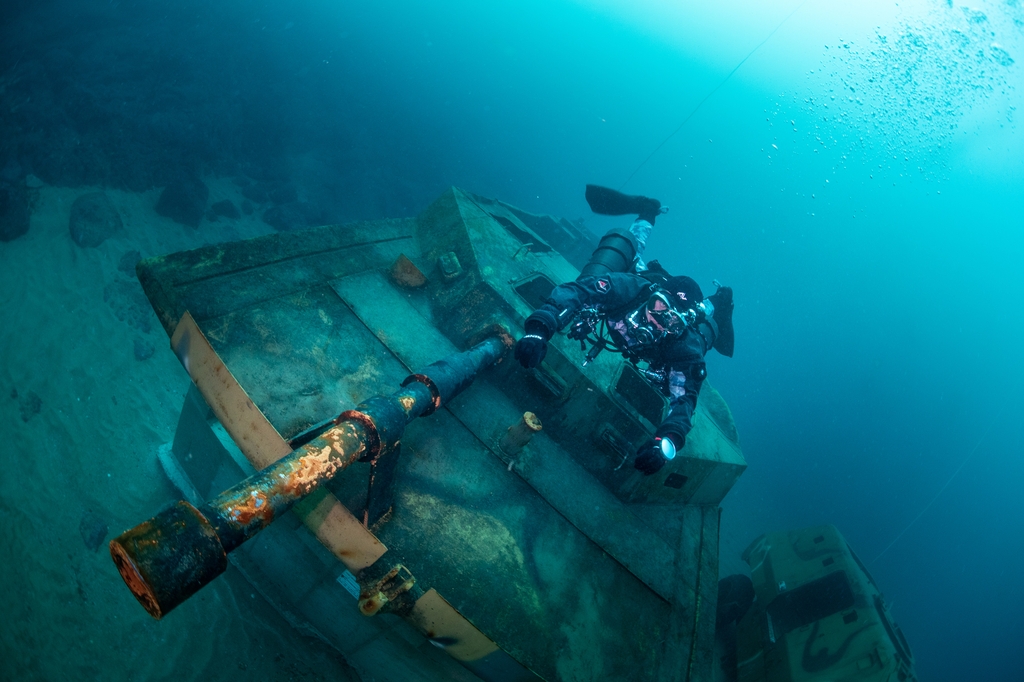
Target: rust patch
370, 605
518, 435
495, 329
369, 439
435, 395
310, 469
344, 431
256, 506
506, 337
406, 274
134, 580
407, 402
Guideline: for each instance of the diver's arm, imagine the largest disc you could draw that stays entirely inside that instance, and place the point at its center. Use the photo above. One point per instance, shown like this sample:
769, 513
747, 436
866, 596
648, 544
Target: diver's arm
560, 307
679, 420
684, 385
607, 291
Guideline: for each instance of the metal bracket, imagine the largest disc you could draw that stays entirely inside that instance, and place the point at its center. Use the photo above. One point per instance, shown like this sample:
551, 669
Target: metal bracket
380, 494
613, 442
548, 380
393, 593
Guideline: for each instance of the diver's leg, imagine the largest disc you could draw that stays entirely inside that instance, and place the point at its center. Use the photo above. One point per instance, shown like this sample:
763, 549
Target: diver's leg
641, 231
649, 210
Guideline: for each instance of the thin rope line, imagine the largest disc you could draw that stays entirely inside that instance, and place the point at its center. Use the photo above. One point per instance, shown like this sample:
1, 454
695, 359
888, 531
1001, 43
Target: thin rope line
708, 96
939, 494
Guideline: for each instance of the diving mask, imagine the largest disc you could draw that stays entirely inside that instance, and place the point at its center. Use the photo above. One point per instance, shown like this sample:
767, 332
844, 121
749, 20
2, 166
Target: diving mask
663, 315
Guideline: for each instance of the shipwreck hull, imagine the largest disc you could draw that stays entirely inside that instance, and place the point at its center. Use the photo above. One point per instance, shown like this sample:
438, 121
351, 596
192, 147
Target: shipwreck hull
554, 560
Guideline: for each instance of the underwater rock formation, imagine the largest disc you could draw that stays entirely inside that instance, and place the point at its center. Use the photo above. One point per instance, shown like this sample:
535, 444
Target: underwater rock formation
184, 200
224, 209
14, 212
94, 219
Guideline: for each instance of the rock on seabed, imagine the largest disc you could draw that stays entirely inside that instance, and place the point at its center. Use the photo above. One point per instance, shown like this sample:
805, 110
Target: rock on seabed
14, 212
184, 200
94, 219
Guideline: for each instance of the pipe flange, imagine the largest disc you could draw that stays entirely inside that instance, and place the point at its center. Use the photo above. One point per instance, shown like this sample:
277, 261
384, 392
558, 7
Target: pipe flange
435, 393
372, 434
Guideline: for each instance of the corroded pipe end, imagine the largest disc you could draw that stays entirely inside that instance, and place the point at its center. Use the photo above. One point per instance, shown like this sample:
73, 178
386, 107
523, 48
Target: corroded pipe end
168, 558
519, 434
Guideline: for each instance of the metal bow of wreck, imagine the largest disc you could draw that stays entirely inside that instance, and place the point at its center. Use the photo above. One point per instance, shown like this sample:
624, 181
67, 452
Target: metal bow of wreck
168, 558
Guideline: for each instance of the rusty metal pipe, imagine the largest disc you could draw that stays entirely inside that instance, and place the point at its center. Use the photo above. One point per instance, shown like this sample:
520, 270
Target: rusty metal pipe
168, 558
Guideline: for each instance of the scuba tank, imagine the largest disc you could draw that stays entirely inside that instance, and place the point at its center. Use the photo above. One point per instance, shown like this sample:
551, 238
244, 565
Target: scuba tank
616, 252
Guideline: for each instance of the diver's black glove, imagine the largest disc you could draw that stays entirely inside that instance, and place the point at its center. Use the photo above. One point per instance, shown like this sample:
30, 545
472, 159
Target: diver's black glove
532, 348
649, 459
653, 454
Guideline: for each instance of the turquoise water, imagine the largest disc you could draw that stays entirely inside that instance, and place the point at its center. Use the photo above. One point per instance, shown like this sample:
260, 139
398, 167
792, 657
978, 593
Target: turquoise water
858, 180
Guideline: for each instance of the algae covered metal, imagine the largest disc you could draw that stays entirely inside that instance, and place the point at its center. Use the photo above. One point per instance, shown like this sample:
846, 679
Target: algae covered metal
818, 615
168, 558
505, 537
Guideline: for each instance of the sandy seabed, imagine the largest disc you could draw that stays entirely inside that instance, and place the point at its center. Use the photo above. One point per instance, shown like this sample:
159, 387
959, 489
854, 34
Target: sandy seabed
81, 419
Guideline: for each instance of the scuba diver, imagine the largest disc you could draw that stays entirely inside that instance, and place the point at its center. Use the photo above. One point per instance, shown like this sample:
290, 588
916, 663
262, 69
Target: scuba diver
641, 312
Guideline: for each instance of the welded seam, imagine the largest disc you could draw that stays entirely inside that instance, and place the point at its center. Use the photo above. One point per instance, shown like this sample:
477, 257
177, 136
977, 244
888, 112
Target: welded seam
286, 259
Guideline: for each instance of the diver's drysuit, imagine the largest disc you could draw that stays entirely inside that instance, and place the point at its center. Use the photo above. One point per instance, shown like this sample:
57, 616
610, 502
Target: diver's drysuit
644, 314
676, 359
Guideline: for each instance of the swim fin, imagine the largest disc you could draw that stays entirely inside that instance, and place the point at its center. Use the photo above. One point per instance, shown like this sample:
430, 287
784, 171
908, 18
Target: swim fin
606, 201
722, 300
